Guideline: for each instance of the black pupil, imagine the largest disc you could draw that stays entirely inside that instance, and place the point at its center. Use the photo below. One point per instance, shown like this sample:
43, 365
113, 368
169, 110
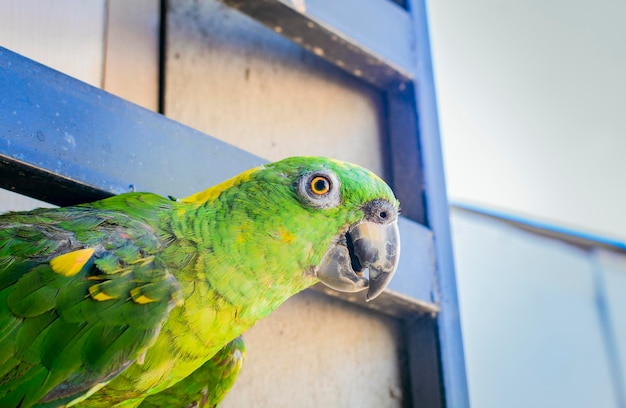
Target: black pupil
320, 185
383, 215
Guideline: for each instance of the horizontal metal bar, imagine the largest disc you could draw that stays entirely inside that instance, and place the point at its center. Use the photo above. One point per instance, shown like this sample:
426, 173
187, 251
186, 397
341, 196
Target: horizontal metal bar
580, 239
66, 142
55, 126
370, 39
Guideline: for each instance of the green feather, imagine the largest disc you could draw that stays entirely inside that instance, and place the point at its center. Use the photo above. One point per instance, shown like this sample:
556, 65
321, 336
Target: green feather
32, 294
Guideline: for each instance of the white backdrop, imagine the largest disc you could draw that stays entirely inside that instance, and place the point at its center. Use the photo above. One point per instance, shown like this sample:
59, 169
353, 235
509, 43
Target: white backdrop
532, 97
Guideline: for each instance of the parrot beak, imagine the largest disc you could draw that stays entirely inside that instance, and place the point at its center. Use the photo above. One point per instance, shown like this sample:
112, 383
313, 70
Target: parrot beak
366, 245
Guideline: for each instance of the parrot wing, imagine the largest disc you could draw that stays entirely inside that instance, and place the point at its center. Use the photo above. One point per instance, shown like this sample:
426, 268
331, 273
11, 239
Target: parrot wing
81, 298
206, 386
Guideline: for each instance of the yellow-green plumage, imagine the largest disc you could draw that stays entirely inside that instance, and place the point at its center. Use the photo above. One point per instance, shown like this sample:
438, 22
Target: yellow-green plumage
207, 385
108, 302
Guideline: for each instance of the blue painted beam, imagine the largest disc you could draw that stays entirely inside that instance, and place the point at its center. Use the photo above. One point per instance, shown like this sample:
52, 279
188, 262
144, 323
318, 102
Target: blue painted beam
95, 144
371, 39
437, 214
576, 237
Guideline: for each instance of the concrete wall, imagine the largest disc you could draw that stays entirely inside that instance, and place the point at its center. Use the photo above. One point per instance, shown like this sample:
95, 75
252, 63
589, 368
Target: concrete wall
231, 78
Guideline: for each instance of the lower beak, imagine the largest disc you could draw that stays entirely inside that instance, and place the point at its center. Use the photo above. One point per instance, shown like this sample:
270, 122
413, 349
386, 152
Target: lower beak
366, 245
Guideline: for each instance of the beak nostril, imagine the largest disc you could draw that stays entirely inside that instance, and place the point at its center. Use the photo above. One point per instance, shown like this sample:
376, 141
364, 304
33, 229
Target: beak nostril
379, 211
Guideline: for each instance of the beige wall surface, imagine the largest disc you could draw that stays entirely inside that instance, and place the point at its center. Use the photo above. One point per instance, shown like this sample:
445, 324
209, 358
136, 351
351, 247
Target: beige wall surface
316, 351
66, 35
131, 65
234, 79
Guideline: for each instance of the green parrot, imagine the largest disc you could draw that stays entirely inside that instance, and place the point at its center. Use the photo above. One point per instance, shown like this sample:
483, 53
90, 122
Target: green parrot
142, 297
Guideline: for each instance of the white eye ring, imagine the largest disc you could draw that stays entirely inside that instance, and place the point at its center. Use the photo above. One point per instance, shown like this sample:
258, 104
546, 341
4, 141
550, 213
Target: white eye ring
321, 189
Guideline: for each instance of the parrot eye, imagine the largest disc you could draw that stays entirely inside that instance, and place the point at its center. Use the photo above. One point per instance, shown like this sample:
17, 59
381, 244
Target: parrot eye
320, 189
320, 185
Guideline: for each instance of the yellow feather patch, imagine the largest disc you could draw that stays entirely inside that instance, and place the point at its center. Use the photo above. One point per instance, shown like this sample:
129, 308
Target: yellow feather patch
71, 263
139, 297
242, 236
212, 193
286, 236
143, 299
177, 298
97, 294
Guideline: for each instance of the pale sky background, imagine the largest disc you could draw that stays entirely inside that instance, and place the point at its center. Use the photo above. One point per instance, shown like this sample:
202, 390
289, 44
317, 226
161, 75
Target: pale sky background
532, 97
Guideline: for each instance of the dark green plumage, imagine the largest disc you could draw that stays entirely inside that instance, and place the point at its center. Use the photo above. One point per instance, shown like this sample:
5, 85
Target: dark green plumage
54, 332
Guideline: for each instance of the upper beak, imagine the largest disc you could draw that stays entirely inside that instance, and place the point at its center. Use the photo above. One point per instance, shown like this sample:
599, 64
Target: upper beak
366, 245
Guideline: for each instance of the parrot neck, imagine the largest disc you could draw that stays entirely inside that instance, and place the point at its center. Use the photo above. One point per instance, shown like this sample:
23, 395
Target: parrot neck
210, 194
241, 264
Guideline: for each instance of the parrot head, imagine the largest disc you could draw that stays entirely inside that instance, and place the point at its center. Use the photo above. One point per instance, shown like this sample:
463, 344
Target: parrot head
368, 239
333, 219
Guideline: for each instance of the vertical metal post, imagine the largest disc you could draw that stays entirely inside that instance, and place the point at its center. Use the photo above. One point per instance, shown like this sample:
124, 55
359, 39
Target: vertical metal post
437, 213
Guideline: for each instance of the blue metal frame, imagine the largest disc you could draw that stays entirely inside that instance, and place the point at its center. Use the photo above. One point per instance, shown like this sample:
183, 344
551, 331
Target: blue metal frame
373, 44
66, 142
575, 237
449, 322
91, 144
